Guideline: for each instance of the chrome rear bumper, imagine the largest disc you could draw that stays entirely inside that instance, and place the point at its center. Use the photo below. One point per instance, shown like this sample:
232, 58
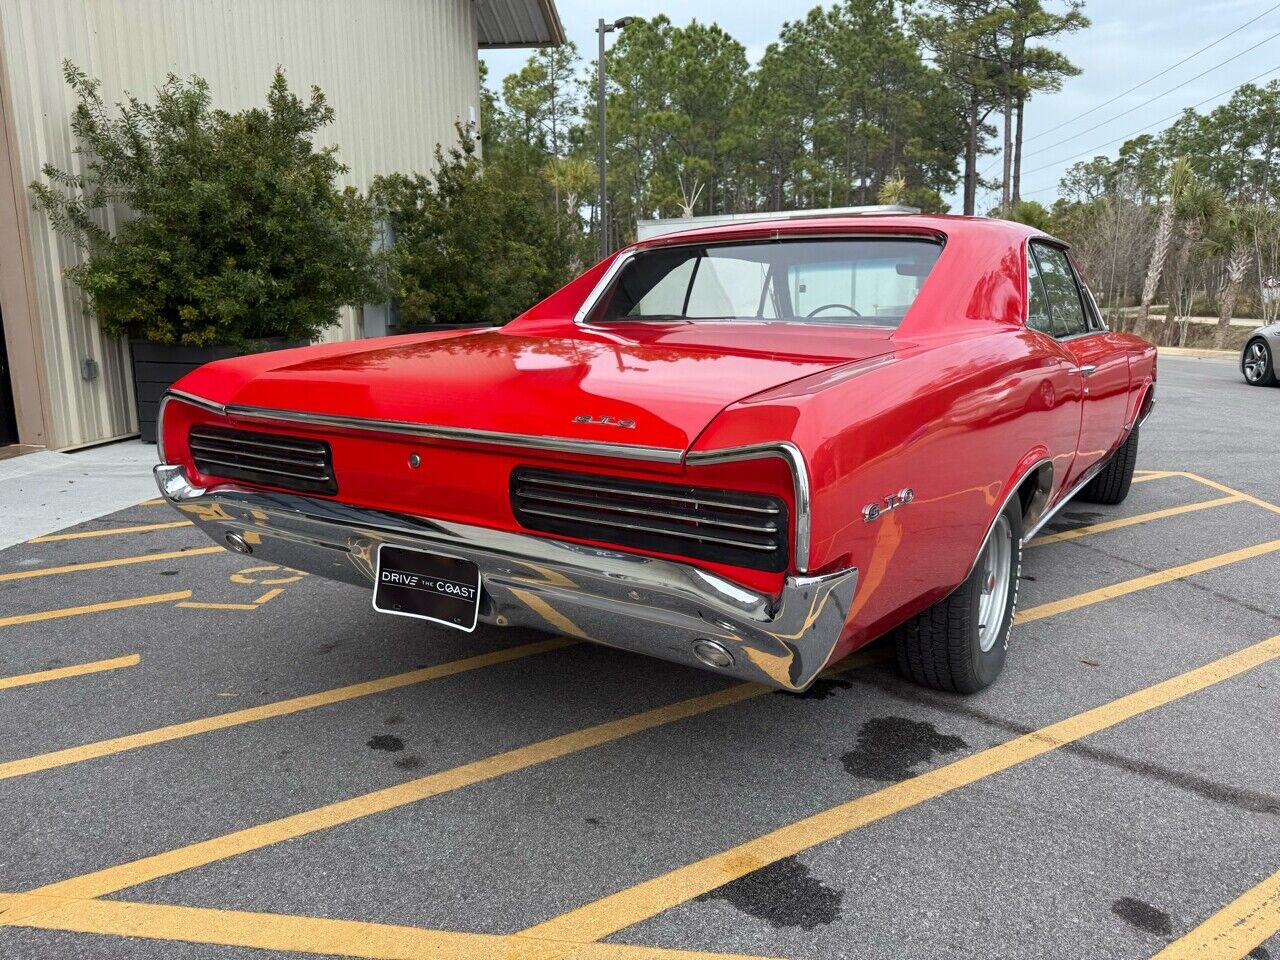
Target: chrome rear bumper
655, 607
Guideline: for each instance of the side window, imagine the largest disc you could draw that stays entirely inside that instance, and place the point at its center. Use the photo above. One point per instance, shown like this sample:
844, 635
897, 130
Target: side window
666, 297
1039, 317
1064, 295
725, 287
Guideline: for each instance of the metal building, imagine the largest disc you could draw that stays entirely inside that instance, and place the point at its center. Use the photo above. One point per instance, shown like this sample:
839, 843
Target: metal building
399, 74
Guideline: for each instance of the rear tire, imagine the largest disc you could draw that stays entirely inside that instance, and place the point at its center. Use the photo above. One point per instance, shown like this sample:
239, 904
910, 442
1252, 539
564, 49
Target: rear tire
1257, 364
1111, 486
951, 646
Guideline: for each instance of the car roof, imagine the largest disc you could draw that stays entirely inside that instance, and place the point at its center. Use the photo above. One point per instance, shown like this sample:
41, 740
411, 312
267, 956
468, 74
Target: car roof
948, 226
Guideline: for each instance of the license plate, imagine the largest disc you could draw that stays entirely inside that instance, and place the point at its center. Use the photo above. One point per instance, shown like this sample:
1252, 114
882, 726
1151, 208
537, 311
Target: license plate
411, 583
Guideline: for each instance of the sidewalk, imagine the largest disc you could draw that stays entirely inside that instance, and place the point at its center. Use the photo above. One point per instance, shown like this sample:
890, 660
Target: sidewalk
42, 492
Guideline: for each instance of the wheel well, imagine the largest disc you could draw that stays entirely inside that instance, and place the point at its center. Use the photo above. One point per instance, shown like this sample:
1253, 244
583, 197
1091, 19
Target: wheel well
1033, 493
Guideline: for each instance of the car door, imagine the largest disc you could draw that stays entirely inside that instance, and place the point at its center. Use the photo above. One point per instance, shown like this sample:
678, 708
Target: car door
1100, 359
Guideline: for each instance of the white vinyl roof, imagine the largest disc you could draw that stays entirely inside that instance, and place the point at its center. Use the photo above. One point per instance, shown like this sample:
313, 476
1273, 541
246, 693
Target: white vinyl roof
518, 23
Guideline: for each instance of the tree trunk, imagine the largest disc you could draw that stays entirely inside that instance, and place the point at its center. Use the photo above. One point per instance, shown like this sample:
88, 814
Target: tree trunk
1232, 280
1019, 110
971, 158
1008, 154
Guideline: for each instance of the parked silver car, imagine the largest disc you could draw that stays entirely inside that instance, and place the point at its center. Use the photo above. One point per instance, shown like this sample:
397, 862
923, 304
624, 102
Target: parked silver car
1258, 359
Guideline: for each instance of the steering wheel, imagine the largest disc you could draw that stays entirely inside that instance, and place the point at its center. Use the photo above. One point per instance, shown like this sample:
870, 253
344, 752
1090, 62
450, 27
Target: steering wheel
827, 306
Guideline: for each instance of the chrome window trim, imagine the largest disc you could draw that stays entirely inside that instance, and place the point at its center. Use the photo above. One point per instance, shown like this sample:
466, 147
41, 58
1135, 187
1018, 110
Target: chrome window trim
598, 291
784, 450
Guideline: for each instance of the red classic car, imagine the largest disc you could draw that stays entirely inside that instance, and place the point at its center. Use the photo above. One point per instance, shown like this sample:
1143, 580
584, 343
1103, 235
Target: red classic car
753, 448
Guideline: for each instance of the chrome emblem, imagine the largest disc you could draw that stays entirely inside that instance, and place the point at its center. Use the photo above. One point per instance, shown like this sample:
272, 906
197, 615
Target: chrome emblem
874, 511
605, 421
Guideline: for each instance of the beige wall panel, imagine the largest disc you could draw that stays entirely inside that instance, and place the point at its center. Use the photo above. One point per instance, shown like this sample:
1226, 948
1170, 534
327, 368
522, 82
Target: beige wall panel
398, 73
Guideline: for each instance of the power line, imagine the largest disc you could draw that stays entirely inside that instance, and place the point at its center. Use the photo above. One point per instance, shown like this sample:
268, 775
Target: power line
1154, 76
1172, 116
1152, 99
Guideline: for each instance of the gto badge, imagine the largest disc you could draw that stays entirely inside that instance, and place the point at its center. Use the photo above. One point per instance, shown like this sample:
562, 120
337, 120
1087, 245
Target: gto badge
874, 511
605, 421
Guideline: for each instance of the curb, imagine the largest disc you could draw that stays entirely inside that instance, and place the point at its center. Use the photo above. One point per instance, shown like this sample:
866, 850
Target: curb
1198, 353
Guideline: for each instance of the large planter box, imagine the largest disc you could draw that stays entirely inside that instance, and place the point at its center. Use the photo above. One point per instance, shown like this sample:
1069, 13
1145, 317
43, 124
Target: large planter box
157, 366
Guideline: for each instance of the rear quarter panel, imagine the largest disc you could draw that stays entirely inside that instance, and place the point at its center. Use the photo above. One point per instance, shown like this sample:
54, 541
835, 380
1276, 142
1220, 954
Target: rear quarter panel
958, 422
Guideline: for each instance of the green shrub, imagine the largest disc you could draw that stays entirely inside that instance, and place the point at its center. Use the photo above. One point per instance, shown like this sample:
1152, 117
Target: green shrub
228, 227
475, 243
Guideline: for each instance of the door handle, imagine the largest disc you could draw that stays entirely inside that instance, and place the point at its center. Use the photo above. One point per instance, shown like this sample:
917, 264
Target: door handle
1089, 369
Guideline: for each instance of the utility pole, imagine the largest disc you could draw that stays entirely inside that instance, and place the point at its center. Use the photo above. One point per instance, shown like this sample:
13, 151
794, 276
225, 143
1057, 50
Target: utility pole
601, 29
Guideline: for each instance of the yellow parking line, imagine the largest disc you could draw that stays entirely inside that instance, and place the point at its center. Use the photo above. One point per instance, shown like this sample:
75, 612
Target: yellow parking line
93, 608
630, 906
268, 596
282, 932
1131, 521
103, 564
1256, 501
109, 880
1154, 475
203, 605
191, 728
60, 673
86, 534
1235, 930
1142, 583
153, 503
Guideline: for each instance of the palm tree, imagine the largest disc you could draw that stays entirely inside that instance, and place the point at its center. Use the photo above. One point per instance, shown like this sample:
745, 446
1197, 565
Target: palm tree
1230, 239
1179, 177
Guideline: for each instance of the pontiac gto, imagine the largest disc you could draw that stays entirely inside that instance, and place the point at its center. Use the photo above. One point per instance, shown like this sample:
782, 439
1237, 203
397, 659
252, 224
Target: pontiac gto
753, 448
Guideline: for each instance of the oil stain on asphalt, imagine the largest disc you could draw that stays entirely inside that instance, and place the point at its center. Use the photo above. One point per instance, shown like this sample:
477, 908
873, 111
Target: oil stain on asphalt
1143, 915
783, 895
890, 748
385, 741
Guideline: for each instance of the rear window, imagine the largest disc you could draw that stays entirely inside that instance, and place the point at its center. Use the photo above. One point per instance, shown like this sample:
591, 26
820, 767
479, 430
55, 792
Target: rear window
860, 281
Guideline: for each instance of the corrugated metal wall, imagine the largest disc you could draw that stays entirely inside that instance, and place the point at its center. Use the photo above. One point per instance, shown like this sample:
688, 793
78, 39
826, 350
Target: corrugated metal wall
398, 73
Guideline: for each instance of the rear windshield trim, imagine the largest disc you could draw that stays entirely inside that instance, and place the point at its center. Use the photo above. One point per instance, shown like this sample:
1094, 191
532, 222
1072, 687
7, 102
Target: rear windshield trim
605, 283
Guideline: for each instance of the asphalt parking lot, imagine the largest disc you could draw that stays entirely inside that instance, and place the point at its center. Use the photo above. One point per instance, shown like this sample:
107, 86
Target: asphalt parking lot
206, 757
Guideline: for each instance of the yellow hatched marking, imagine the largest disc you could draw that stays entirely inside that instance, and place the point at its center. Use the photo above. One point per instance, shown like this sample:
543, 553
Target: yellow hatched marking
1131, 521
153, 503
104, 564
281, 708
87, 534
61, 673
1235, 930
320, 935
630, 906
1256, 501
93, 608
1142, 583
287, 575
102, 882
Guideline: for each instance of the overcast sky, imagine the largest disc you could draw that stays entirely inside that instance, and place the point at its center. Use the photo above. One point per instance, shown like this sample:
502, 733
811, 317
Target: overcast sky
1130, 40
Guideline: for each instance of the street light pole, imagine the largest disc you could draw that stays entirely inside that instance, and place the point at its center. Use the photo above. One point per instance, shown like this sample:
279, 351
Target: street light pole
600, 158
601, 29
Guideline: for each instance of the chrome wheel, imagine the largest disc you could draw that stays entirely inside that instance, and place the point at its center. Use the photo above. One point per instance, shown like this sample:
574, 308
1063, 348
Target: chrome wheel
996, 565
1256, 361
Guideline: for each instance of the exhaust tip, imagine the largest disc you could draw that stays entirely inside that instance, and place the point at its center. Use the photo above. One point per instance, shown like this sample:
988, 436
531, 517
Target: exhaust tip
712, 653
238, 544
